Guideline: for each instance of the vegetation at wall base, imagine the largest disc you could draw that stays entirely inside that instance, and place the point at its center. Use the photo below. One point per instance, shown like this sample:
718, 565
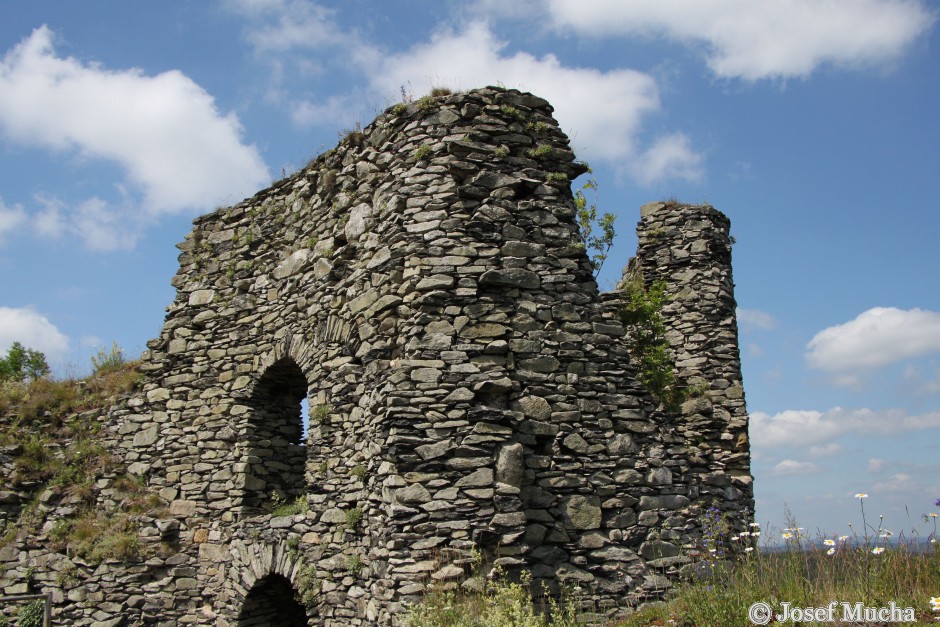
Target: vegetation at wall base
31, 614
497, 602
804, 578
729, 575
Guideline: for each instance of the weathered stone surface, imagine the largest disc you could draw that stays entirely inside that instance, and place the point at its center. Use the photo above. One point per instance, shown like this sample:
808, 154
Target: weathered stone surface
182, 508
201, 297
659, 476
358, 223
511, 277
431, 451
333, 516
621, 444
540, 364
583, 512
147, 437
414, 493
481, 477
657, 549
484, 329
669, 501
535, 407
293, 264
510, 465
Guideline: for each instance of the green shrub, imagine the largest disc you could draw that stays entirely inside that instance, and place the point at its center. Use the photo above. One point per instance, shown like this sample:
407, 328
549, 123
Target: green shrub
308, 586
512, 112
353, 516
31, 614
426, 104
421, 152
354, 564
359, 472
542, 150
646, 335
297, 506
500, 603
98, 537
319, 413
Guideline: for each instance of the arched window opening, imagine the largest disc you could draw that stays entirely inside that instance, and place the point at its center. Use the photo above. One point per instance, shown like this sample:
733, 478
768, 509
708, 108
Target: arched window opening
276, 452
271, 601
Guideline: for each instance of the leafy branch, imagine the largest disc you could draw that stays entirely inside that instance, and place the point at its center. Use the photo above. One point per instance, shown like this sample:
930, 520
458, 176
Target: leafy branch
597, 234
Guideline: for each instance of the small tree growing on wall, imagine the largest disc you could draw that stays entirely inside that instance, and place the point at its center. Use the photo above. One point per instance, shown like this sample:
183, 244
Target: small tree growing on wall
646, 332
597, 234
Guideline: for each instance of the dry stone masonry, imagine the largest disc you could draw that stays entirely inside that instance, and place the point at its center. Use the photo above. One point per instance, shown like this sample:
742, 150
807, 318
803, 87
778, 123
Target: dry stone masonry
472, 401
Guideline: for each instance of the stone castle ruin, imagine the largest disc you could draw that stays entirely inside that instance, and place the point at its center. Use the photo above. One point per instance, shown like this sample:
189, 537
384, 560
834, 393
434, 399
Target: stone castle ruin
473, 403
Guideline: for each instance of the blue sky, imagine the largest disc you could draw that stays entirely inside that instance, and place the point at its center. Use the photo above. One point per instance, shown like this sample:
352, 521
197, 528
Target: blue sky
812, 123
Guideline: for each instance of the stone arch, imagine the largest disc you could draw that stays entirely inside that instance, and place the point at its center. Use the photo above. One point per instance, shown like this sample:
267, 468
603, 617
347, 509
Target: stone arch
291, 345
275, 452
272, 602
262, 586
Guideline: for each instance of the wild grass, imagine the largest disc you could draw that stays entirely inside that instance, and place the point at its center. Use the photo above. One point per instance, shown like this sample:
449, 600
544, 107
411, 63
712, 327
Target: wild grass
52, 428
289, 508
48, 401
804, 577
873, 568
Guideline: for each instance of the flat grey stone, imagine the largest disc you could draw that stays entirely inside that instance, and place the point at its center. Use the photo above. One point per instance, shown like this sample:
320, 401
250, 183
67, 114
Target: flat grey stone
511, 277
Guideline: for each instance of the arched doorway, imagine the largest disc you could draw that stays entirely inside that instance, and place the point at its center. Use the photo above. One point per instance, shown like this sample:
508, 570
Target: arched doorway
276, 455
271, 602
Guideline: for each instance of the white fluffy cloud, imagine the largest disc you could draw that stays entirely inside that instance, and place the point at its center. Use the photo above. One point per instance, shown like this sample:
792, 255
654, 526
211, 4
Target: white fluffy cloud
876, 464
31, 329
178, 151
793, 467
756, 319
756, 40
10, 218
928, 384
809, 427
898, 482
827, 450
603, 112
287, 24
877, 337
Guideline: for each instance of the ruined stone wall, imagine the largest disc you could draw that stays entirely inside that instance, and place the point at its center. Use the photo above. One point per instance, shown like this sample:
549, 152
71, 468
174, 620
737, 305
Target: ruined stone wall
688, 247
470, 391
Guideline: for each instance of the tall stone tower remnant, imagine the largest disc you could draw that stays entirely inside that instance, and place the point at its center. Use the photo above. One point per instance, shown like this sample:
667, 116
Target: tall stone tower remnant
473, 403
